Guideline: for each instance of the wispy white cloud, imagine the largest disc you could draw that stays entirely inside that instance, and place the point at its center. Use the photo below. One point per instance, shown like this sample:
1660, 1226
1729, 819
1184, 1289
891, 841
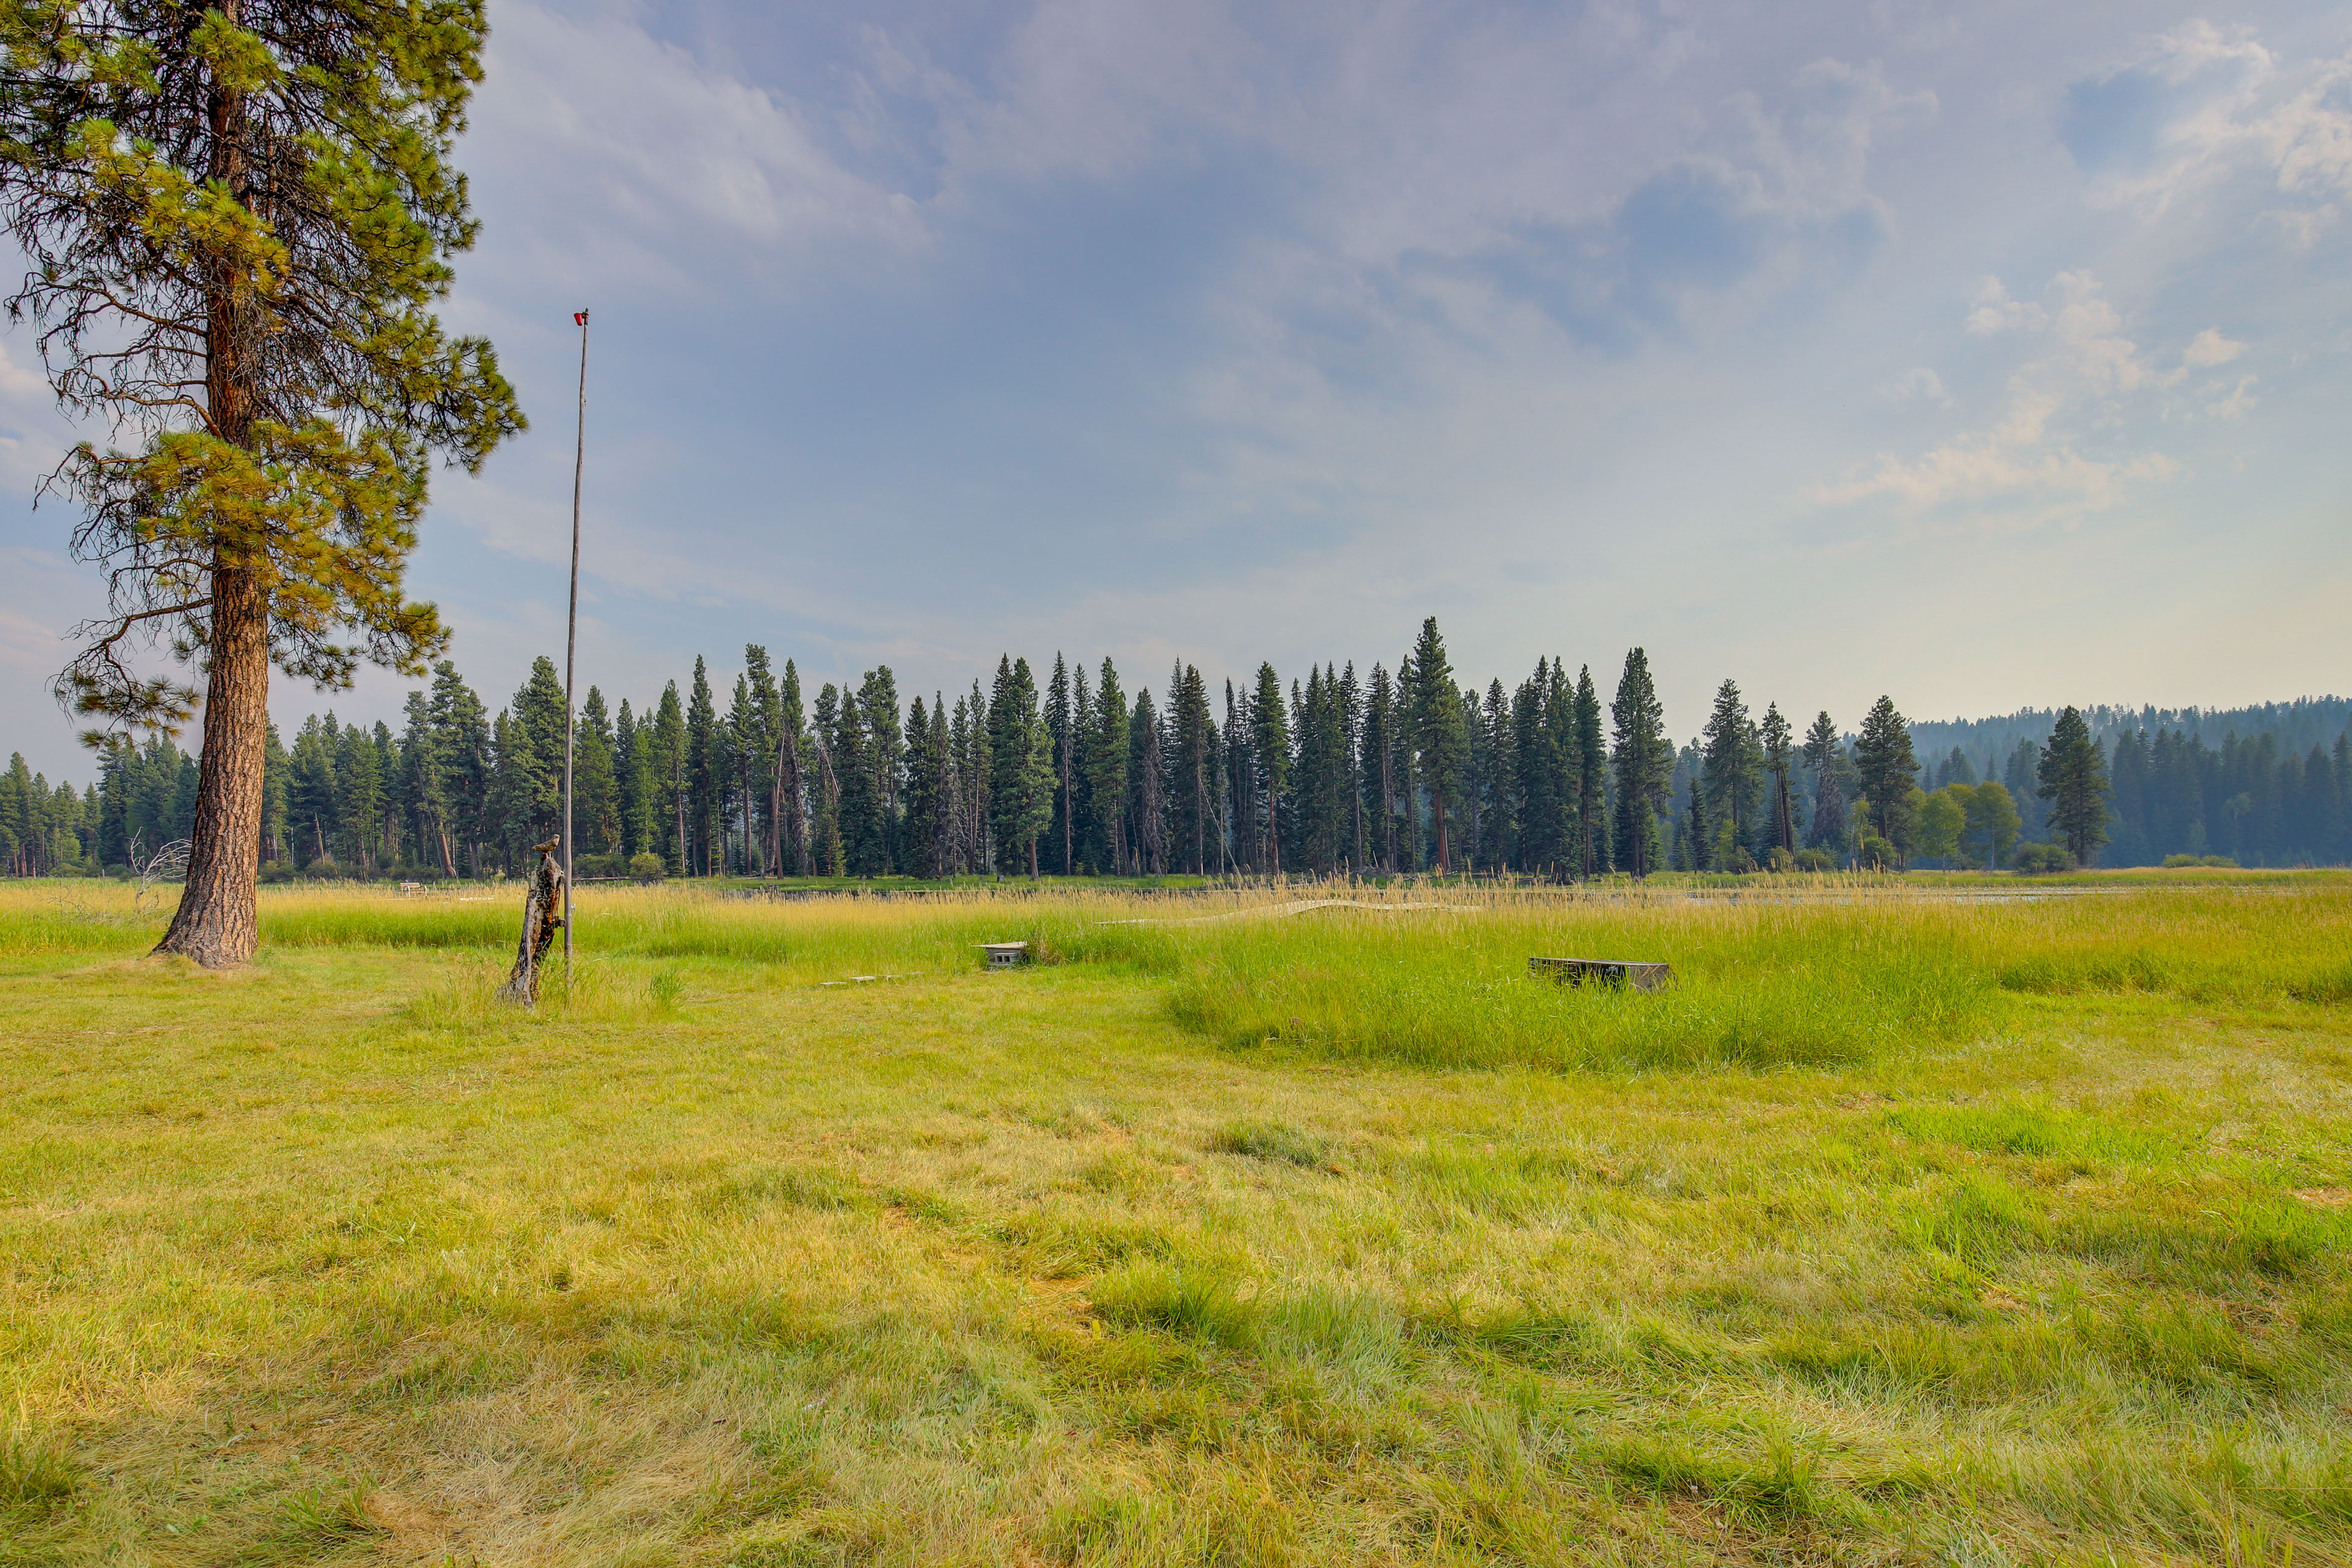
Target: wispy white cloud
1919, 383
2028, 456
1992, 312
2234, 404
2210, 347
2203, 103
626, 159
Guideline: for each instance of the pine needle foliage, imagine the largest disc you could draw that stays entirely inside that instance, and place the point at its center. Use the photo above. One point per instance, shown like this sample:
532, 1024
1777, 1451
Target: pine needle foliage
238, 220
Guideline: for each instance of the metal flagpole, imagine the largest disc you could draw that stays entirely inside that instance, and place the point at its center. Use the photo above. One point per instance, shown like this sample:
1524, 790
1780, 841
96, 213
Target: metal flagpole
571, 633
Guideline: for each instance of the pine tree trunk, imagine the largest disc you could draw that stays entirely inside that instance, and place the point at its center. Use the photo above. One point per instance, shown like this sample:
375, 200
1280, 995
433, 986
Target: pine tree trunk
750, 849
216, 922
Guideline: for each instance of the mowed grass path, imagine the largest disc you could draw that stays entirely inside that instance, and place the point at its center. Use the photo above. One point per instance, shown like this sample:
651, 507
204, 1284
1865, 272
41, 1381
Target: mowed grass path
1177, 1250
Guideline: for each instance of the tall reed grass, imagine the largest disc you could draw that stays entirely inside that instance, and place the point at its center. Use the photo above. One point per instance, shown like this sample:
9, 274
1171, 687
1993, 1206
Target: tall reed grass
1783, 973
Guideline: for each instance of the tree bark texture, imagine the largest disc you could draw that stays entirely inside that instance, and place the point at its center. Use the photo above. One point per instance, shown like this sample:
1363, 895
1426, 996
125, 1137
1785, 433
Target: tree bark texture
543, 917
216, 923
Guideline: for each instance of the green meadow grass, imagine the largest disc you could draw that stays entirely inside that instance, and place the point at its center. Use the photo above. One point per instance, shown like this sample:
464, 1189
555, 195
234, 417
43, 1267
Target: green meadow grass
1903, 1227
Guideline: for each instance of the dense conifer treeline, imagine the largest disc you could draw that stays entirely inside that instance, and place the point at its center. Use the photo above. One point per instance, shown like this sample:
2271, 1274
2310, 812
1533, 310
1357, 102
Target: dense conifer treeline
1402, 770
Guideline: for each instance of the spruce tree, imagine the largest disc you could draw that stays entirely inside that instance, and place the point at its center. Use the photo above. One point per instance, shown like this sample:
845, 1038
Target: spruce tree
424, 789
596, 806
534, 800
1498, 794
705, 768
877, 709
391, 842
1535, 785
1107, 784
666, 761
273, 793
461, 747
1352, 713
979, 775
359, 800
1889, 772
1269, 739
310, 791
792, 778
1146, 788
964, 848
1189, 761
1734, 771
946, 789
19, 817
2073, 776
824, 827
1078, 777
1823, 752
1440, 741
629, 783
1375, 765
918, 828
1062, 829
856, 770
116, 763
1021, 794
1240, 775
1008, 747
1697, 843
741, 740
1561, 763
760, 749
1643, 763
1320, 779
1592, 834
1780, 808
237, 221
2019, 775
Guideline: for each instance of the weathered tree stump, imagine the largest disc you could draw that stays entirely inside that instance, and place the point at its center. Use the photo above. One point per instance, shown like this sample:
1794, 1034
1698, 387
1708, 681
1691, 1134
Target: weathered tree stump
543, 917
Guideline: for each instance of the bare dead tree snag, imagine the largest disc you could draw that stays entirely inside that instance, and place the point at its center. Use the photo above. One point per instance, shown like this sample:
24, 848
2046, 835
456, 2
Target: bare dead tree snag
543, 917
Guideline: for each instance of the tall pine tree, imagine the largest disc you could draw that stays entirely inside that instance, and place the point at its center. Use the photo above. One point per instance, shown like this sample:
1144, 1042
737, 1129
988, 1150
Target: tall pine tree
2073, 778
1889, 772
1643, 762
1440, 741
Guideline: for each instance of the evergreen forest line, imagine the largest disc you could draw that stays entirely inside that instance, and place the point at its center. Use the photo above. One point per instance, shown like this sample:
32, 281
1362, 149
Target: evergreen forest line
1395, 772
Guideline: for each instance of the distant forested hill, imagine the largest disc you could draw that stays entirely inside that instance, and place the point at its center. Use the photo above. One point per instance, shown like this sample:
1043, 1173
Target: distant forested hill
2296, 726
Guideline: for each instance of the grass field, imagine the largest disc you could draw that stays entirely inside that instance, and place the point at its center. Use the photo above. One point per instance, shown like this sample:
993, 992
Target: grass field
1911, 1225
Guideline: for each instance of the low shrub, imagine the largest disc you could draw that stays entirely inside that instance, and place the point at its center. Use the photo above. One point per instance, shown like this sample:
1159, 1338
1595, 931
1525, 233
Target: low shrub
2041, 859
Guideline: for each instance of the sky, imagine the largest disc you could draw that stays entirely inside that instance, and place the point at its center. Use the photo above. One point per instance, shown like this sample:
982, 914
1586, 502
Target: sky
1986, 355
